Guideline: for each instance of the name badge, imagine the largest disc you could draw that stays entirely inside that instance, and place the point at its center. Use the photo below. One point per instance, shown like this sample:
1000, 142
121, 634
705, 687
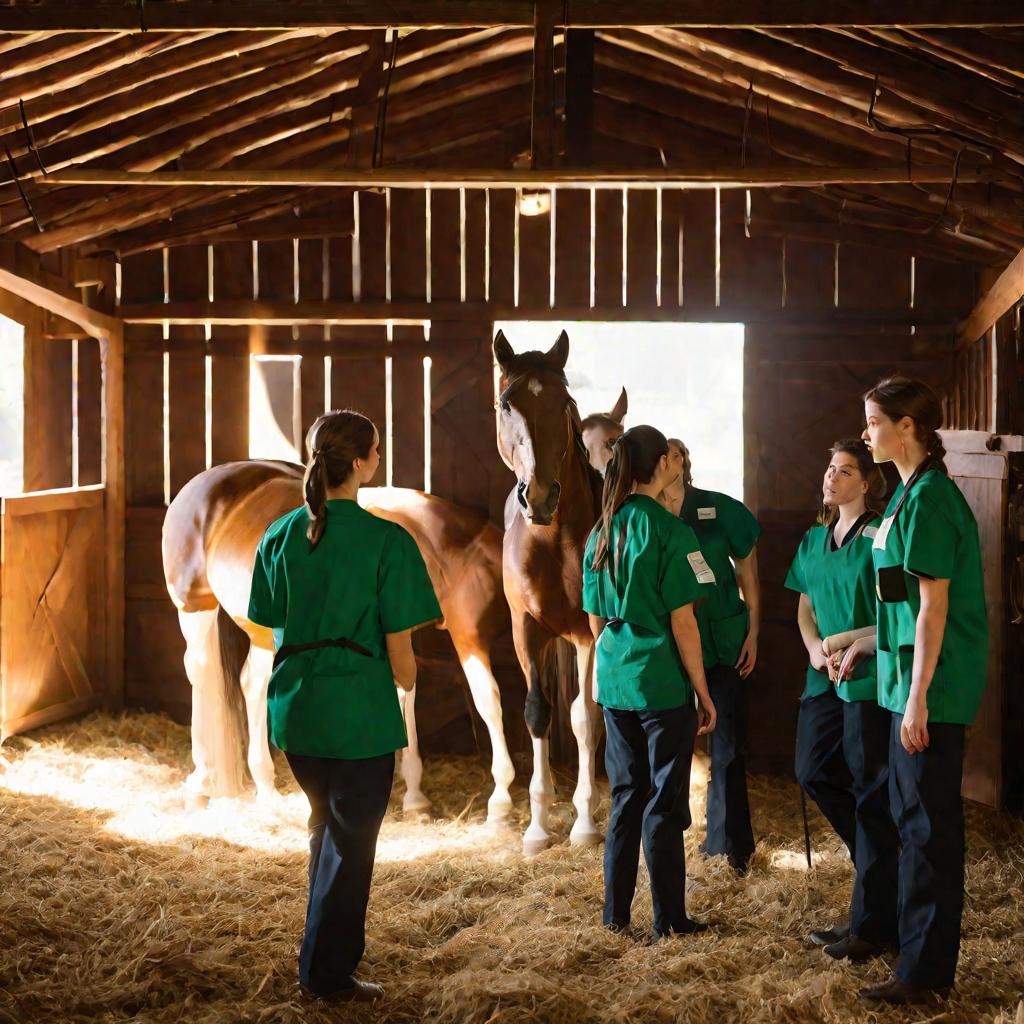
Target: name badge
707, 513
883, 533
700, 568
870, 532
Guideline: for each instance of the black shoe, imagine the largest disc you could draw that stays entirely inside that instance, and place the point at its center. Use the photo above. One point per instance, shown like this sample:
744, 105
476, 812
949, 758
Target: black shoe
741, 865
688, 927
854, 949
901, 993
357, 992
618, 928
829, 936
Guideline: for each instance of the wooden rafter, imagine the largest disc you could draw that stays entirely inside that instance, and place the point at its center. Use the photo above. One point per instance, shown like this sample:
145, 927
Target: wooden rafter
1007, 291
104, 15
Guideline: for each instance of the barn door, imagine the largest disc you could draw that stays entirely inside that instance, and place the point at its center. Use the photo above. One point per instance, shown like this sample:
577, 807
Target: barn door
51, 607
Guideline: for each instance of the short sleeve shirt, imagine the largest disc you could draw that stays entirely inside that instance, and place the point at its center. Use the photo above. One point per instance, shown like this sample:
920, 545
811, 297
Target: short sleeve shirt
654, 566
364, 579
935, 535
840, 585
725, 529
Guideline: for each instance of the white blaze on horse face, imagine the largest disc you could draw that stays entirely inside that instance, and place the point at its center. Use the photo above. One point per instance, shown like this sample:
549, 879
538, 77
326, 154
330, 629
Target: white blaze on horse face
534, 386
515, 444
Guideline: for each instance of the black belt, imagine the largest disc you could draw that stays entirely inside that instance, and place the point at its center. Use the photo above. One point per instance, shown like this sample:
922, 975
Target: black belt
341, 641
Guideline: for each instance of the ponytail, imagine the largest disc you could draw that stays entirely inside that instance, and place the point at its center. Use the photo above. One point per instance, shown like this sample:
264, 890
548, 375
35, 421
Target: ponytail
936, 451
334, 442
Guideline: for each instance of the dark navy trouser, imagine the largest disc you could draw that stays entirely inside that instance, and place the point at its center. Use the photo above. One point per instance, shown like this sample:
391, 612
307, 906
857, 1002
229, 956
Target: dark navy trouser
728, 809
348, 800
924, 790
647, 757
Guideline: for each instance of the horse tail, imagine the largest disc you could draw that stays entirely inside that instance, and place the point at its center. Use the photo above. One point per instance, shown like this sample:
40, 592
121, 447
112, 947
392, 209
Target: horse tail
233, 647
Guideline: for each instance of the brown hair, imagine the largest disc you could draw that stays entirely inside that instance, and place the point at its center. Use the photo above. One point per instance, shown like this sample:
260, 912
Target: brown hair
334, 442
874, 499
902, 396
687, 465
634, 460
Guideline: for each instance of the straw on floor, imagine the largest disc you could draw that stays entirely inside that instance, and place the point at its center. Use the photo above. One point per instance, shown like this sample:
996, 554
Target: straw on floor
118, 905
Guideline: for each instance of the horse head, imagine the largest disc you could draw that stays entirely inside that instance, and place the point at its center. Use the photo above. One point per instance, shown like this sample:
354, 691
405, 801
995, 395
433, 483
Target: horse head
537, 422
601, 430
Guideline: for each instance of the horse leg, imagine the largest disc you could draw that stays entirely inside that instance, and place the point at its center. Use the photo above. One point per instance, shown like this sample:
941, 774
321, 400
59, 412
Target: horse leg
414, 801
586, 725
530, 643
255, 680
476, 663
216, 738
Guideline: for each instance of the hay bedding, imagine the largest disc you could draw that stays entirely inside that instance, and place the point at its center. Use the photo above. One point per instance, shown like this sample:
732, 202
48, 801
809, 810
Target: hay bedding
116, 905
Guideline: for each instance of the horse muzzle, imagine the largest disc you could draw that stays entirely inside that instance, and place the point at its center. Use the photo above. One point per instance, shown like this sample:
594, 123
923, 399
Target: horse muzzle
538, 511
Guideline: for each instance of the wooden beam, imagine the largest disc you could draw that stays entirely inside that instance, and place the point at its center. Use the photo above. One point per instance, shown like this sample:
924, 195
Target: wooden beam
199, 15
242, 313
21, 274
579, 97
1007, 291
543, 140
713, 177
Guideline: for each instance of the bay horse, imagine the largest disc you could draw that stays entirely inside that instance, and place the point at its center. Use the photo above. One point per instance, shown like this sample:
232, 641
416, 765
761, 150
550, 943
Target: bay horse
557, 498
210, 536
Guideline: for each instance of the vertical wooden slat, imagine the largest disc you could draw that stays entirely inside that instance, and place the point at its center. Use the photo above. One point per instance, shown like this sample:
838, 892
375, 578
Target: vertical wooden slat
750, 268
699, 250
445, 251
572, 247
408, 244
144, 425
608, 247
476, 242
642, 248
535, 261
230, 394
232, 270
372, 245
407, 412
276, 265
871, 277
89, 386
810, 274
311, 386
47, 409
501, 245
339, 271
115, 511
359, 384
671, 246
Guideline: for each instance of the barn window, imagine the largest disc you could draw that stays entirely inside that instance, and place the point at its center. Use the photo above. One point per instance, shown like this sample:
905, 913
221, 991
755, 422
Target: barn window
686, 379
12, 406
275, 422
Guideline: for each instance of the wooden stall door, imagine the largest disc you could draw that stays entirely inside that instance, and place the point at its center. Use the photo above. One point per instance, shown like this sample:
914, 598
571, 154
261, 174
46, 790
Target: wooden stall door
51, 607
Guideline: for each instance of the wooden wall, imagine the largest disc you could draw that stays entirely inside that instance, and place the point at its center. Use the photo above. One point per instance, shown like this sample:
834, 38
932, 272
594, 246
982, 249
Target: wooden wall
824, 321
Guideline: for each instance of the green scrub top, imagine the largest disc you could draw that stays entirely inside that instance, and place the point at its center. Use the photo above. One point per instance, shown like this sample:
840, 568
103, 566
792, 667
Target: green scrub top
364, 579
935, 535
658, 567
725, 529
841, 586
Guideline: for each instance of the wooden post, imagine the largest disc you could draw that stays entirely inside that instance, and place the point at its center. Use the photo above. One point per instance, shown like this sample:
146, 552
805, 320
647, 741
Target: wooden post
579, 97
542, 136
112, 354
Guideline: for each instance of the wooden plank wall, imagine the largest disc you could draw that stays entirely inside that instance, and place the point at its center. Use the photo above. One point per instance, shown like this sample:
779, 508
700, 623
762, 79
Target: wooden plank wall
648, 253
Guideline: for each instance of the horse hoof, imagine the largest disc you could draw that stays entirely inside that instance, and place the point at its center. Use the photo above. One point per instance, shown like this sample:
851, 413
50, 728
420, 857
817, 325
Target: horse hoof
585, 837
499, 811
416, 805
533, 845
265, 795
196, 801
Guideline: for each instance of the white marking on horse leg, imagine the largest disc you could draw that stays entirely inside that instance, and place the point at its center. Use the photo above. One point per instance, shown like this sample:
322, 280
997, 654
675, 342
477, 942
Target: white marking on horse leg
542, 790
414, 801
585, 727
255, 679
487, 698
216, 741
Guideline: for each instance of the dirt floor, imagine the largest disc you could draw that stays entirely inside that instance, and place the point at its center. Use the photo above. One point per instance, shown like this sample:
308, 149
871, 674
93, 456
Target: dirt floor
117, 905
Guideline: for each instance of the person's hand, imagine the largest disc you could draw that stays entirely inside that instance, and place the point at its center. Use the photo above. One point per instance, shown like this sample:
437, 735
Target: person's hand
707, 716
853, 656
826, 646
819, 661
914, 730
748, 656
834, 661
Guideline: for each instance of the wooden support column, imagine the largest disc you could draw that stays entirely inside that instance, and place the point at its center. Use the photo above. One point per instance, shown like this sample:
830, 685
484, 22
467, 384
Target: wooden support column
579, 97
543, 134
365, 101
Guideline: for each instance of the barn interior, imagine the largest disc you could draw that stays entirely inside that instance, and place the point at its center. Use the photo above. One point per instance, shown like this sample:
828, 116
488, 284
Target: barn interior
209, 209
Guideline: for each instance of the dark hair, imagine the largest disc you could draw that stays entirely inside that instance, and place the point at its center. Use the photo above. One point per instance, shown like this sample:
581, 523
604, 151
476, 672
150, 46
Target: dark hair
902, 396
334, 442
687, 464
874, 498
634, 460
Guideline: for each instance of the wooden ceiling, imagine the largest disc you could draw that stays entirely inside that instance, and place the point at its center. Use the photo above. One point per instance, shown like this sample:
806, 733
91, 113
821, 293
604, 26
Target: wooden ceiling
624, 98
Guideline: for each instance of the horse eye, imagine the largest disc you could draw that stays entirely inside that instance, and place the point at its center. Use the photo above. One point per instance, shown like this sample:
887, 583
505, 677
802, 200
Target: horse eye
505, 407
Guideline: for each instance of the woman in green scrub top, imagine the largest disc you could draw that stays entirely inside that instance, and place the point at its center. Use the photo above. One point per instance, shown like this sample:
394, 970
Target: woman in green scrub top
642, 571
842, 743
729, 621
342, 591
932, 654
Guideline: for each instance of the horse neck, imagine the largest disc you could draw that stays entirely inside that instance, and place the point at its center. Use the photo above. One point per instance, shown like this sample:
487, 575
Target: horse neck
578, 505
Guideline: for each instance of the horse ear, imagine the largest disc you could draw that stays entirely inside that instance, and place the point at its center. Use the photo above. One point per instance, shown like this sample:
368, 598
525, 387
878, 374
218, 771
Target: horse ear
559, 352
503, 352
620, 408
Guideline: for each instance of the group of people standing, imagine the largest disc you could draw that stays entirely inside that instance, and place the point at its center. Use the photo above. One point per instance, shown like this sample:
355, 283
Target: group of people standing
891, 611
